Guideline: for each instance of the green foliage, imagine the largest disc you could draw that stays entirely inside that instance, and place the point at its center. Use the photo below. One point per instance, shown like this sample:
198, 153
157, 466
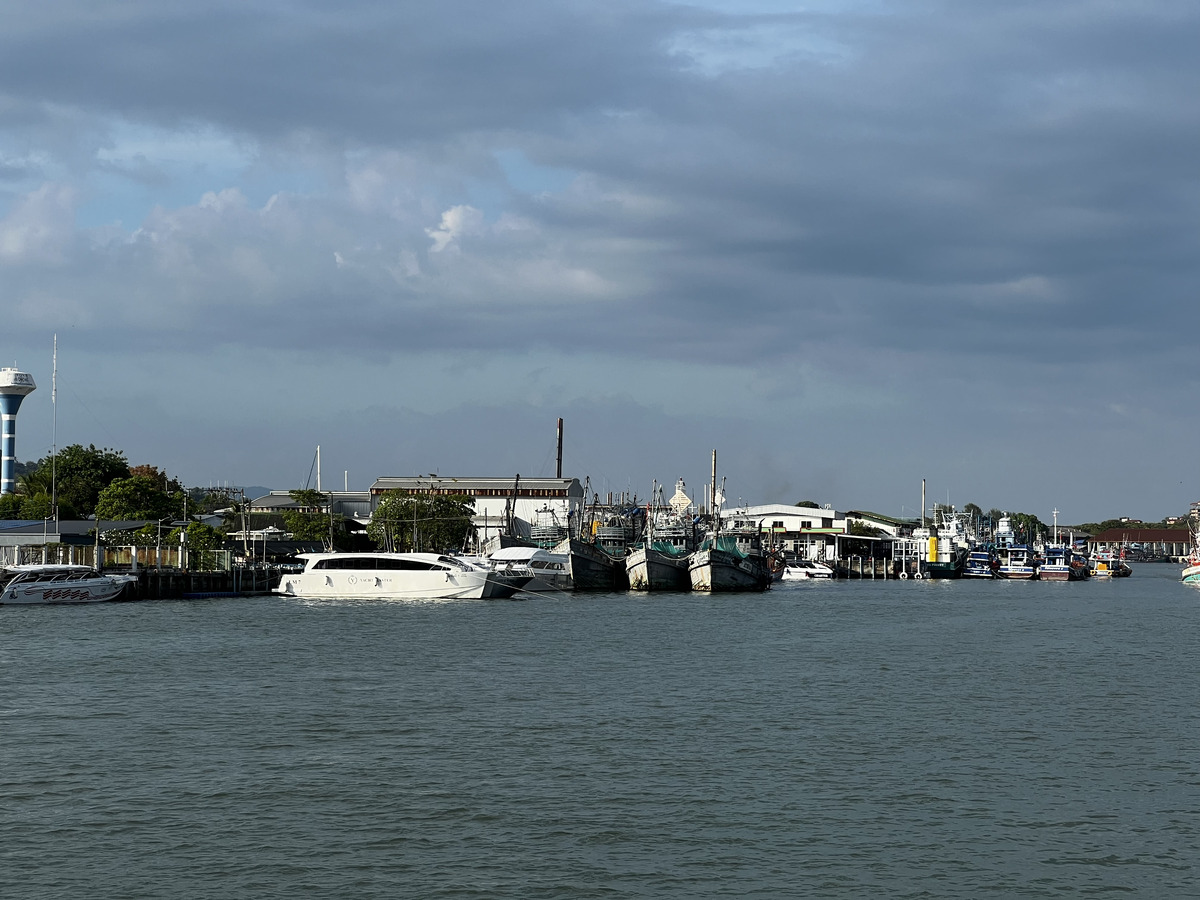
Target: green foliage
309, 523
82, 473
812, 504
437, 523
1028, 528
859, 528
40, 506
139, 497
35, 481
24, 506
10, 506
202, 543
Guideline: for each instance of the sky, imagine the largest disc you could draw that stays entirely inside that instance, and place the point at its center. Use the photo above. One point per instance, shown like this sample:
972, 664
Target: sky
850, 246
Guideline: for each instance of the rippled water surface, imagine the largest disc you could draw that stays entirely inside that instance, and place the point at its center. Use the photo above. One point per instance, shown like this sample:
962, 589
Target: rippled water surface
857, 739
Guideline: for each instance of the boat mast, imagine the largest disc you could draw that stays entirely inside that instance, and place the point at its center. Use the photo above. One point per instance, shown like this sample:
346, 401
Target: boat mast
54, 434
712, 499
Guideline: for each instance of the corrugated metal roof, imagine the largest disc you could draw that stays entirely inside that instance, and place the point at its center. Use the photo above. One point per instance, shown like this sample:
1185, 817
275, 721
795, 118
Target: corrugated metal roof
469, 483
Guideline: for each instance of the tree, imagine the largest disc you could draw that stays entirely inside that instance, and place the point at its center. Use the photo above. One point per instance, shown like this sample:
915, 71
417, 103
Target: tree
309, 522
437, 523
138, 497
1027, 527
812, 504
202, 543
40, 506
82, 473
858, 528
10, 506
163, 481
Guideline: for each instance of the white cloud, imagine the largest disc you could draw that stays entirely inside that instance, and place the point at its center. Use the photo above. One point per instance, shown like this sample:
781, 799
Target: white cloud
456, 222
41, 226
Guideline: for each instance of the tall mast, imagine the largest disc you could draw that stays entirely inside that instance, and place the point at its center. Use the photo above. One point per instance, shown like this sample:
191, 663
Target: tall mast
712, 497
54, 434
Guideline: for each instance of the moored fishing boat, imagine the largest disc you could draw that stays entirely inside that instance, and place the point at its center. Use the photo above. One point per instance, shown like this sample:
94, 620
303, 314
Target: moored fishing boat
1059, 563
980, 564
63, 584
592, 568
658, 566
948, 546
1191, 572
392, 576
720, 566
659, 562
1016, 561
1109, 564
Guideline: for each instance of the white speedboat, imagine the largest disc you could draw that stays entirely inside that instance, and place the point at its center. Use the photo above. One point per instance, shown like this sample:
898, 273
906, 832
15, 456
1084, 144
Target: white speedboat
805, 569
392, 576
548, 571
57, 584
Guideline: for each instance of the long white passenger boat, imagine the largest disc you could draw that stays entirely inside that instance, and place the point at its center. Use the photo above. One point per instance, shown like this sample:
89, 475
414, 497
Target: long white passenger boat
392, 576
62, 584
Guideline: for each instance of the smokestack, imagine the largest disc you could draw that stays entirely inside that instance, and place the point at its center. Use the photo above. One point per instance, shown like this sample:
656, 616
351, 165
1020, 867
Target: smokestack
558, 464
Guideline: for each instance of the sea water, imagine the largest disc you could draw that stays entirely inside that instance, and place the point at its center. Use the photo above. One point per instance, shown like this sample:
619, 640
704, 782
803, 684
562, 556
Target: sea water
850, 739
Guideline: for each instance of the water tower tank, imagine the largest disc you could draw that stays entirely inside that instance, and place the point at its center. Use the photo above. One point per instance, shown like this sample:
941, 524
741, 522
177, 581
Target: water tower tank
14, 387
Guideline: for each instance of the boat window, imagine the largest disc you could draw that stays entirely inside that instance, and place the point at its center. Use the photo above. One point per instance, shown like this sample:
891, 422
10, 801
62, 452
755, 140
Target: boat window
347, 562
406, 564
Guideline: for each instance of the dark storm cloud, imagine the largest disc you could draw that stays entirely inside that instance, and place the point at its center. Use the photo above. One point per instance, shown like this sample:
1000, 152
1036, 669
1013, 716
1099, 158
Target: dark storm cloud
367, 71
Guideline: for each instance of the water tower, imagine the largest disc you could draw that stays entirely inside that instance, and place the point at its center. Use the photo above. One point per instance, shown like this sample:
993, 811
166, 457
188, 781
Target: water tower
14, 386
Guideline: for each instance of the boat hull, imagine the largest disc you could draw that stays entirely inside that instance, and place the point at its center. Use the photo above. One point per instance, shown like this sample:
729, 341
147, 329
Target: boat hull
805, 570
952, 568
1048, 573
1191, 575
349, 585
591, 568
97, 588
393, 576
718, 571
652, 570
1017, 573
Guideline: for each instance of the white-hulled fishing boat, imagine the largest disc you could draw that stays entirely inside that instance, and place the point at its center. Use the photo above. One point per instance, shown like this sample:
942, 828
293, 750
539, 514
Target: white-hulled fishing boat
720, 565
1191, 572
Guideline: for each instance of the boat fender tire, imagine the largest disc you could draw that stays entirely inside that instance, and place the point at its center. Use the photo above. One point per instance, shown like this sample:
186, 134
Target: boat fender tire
903, 575
918, 576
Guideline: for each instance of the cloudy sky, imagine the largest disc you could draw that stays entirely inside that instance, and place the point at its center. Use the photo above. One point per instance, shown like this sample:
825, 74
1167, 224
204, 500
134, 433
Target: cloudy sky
849, 245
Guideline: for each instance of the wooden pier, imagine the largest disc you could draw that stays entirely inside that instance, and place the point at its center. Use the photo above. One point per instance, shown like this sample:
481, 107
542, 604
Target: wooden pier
174, 584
